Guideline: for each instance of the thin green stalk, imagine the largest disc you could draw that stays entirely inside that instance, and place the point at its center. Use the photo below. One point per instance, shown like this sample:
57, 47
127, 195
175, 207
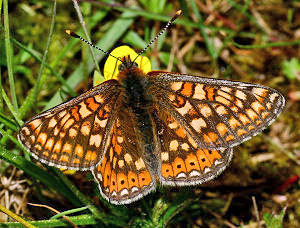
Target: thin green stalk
79, 220
274, 44
9, 57
208, 43
11, 108
68, 212
8, 122
79, 14
31, 98
15, 217
55, 73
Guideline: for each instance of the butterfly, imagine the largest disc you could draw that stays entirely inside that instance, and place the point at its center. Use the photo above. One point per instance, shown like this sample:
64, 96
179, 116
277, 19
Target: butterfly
146, 127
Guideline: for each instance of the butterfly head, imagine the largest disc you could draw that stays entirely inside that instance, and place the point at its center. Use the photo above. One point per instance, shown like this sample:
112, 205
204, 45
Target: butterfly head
127, 64
127, 59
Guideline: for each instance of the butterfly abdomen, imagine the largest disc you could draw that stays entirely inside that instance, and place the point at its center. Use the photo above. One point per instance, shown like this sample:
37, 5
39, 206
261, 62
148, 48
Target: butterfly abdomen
135, 83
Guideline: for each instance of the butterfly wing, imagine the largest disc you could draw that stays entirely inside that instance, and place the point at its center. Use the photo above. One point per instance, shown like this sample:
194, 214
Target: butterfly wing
216, 113
182, 161
73, 134
124, 175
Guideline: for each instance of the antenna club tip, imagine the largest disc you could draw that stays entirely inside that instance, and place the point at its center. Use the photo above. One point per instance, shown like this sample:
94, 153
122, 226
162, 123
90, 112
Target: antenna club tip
179, 12
68, 31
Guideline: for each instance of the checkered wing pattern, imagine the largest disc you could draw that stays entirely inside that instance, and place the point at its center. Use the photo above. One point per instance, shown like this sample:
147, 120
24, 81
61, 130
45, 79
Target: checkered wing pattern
182, 161
124, 175
217, 113
73, 135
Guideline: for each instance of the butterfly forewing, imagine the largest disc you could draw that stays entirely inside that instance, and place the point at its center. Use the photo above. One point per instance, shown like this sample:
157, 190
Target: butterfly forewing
72, 135
124, 175
218, 113
182, 161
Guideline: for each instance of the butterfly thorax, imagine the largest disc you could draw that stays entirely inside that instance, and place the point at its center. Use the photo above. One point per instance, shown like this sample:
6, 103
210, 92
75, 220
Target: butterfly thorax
135, 84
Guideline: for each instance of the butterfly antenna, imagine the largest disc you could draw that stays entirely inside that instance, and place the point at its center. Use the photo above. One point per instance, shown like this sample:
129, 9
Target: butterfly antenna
69, 32
177, 14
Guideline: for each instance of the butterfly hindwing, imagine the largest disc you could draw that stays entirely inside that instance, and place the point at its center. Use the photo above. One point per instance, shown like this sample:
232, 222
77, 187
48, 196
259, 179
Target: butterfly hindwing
182, 161
124, 175
220, 113
72, 135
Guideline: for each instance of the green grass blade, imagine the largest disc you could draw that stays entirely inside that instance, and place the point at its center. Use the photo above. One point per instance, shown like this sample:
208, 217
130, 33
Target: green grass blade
9, 56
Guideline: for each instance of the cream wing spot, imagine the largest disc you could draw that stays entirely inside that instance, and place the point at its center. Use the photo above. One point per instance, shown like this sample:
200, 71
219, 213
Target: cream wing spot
165, 156
240, 94
42, 138
83, 111
49, 144
26, 131
128, 158
176, 86
32, 138
67, 148
273, 96
35, 123
121, 163
194, 173
257, 107
197, 124
69, 123
260, 91
174, 145
221, 110
252, 115
223, 94
101, 123
120, 139
64, 119
222, 129
239, 104
199, 93
185, 109
95, 140
57, 146
111, 154
181, 175
192, 142
205, 110
185, 146
222, 100
62, 113
86, 128
98, 98
139, 164
78, 150
124, 192
226, 89
52, 122
73, 132
56, 131
173, 125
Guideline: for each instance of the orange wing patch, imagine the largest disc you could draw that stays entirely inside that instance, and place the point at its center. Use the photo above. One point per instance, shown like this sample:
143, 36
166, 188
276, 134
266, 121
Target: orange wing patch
182, 161
123, 175
71, 135
220, 113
